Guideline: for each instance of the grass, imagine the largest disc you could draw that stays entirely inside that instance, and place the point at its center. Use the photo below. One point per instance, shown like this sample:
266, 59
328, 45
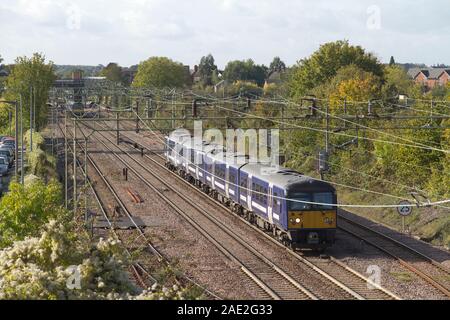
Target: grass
430, 224
402, 276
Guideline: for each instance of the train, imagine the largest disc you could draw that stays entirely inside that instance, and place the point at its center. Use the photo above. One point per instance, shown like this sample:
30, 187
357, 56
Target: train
299, 211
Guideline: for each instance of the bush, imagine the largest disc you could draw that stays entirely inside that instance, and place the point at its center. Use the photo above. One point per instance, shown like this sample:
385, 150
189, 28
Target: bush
40, 268
26, 209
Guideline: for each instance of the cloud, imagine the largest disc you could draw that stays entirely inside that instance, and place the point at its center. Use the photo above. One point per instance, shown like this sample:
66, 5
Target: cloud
99, 31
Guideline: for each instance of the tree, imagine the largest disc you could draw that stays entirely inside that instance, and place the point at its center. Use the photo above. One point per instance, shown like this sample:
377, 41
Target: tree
160, 72
392, 62
245, 71
396, 82
206, 69
277, 65
25, 209
30, 73
1, 80
113, 72
325, 62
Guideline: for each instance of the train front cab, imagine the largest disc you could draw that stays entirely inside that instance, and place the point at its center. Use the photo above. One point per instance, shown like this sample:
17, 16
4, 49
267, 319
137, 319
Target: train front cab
312, 226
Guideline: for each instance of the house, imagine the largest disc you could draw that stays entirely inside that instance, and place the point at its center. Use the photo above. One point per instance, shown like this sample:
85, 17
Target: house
430, 77
276, 77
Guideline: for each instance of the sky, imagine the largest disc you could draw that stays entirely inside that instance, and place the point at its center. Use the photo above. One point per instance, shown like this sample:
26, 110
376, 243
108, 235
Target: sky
92, 32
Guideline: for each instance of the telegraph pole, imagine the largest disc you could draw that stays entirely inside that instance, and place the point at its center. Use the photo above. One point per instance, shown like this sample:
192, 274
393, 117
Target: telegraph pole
31, 119
16, 115
74, 166
85, 180
327, 133
117, 128
21, 143
65, 160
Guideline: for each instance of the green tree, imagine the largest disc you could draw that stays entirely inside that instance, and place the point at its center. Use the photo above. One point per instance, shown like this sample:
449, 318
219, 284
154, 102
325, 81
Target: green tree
160, 72
2, 85
206, 69
33, 73
245, 71
113, 72
396, 82
25, 209
392, 62
277, 65
245, 88
325, 62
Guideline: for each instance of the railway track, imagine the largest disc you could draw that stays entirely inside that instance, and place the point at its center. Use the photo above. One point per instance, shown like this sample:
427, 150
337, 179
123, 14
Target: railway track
139, 270
429, 270
139, 273
423, 266
356, 285
276, 283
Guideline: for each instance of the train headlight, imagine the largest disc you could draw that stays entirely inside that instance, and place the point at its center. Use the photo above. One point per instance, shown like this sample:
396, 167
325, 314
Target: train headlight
298, 221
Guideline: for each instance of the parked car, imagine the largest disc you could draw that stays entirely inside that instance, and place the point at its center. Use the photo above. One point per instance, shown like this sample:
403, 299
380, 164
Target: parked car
7, 154
7, 142
4, 166
10, 149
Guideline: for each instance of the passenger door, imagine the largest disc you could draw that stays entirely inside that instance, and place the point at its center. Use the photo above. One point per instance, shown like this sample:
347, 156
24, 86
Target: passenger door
270, 204
249, 192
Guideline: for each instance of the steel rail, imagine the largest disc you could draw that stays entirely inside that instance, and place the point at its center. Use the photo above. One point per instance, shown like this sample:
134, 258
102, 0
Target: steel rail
160, 256
404, 263
292, 253
305, 292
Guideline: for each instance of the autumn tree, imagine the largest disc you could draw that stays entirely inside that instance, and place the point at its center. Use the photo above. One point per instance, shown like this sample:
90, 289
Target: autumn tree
323, 65
160, 72
397, 82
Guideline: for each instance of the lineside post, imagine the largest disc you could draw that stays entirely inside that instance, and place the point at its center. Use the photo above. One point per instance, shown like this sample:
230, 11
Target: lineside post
74, 166
86, 216
16, 148
117, 129
137, 116
66, 187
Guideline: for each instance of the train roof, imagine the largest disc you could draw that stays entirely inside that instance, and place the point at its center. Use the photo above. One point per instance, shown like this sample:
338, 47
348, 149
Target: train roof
285, 178
282, 177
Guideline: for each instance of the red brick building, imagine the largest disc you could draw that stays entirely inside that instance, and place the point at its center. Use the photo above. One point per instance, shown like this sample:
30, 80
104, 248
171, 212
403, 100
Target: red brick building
430, 77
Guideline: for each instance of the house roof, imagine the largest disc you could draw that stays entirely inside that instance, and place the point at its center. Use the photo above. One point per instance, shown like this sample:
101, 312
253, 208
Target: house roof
430, 73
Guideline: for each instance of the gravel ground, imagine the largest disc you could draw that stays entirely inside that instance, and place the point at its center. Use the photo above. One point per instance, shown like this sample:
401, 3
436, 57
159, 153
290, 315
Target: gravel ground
349, 250
206, 264
394, 277
176, 239
310, 279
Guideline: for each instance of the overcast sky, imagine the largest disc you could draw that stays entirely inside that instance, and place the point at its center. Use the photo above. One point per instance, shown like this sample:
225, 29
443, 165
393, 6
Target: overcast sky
100, 31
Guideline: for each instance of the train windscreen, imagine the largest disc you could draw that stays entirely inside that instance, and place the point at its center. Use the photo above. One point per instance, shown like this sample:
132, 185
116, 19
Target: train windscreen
305, 201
